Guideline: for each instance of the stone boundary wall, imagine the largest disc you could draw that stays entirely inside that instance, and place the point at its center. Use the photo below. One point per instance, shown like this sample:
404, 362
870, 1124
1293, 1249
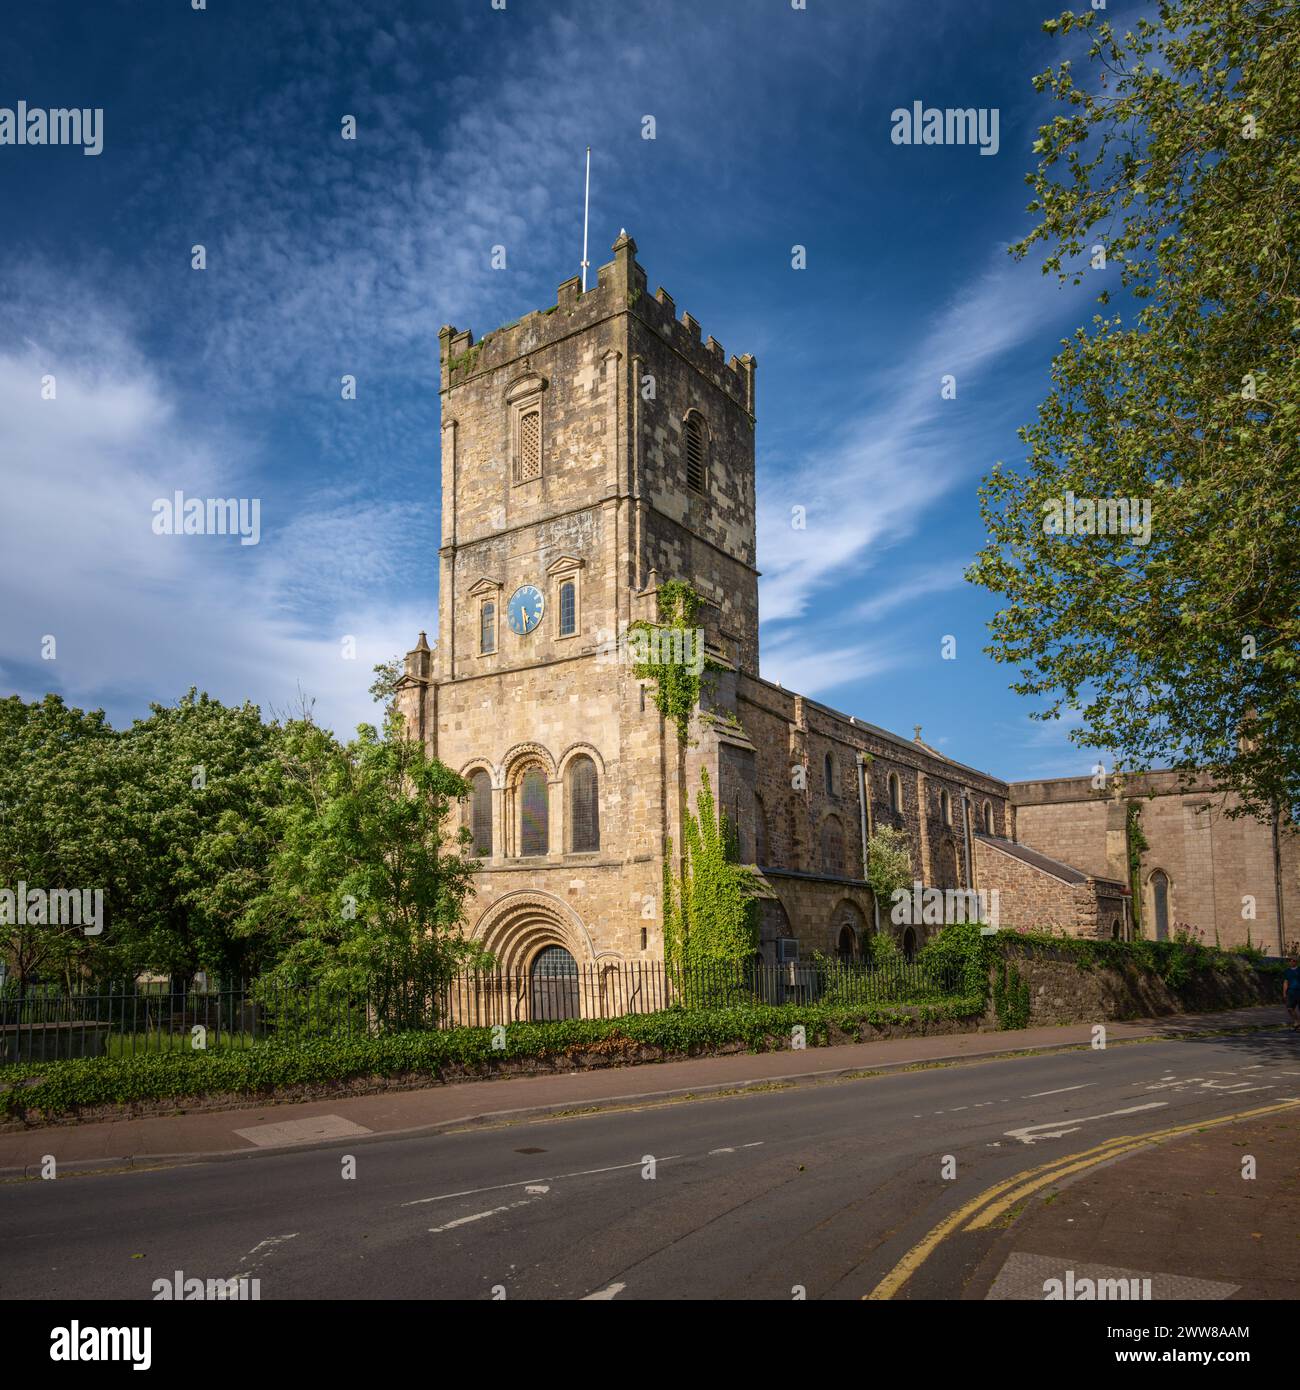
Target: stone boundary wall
1063, 991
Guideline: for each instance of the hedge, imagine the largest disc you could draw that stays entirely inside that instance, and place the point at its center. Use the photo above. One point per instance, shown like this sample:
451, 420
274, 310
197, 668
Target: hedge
58, 1088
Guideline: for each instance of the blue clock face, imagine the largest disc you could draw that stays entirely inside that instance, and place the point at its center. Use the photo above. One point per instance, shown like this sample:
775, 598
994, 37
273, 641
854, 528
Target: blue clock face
524, 611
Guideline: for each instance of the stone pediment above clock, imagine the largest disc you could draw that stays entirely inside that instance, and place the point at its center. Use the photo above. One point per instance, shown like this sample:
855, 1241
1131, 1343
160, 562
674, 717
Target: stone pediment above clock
485, 586
530, 384
566, 564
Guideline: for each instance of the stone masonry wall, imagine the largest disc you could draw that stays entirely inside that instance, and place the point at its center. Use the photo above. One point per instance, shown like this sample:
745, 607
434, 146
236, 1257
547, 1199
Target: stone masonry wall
1214, 862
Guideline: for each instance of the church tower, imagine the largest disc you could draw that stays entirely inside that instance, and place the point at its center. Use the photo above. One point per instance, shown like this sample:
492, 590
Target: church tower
591, 452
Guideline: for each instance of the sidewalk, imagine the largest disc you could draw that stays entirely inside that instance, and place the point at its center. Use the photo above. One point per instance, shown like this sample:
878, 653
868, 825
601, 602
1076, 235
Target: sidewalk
267, 1124
1180, 1214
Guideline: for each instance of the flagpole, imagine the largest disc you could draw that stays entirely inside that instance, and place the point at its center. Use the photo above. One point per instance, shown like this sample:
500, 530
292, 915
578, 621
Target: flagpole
586, 208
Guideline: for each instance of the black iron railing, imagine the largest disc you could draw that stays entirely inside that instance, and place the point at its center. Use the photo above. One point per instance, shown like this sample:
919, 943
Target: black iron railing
41, 1022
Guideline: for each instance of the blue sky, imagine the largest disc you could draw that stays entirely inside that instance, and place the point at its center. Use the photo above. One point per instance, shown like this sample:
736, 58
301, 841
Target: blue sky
326, 256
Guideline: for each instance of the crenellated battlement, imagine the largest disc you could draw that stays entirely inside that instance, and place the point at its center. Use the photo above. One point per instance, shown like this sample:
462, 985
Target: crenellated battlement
620, 288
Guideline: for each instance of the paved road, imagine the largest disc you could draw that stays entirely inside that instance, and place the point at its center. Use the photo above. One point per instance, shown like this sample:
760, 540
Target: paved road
824, 1188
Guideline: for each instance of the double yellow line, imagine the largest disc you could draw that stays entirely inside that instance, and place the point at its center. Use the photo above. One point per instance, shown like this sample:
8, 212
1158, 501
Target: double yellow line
981, 1212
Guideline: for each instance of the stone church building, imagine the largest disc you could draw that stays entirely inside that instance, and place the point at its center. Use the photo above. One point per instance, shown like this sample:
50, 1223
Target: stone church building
599, 448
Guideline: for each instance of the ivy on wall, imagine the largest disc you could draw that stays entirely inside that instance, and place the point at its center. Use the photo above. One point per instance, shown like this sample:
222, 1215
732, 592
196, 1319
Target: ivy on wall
676, 662
710, 916
1011, 1000
1136, 842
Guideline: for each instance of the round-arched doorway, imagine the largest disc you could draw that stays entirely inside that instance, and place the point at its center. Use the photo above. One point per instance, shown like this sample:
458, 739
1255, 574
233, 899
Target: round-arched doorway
909, 944
553, 986
848, 928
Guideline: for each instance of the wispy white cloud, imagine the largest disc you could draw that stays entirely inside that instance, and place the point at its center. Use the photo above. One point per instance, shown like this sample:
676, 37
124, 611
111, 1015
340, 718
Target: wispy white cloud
813, 666
939, 579
871, 486
136, 616
878, 482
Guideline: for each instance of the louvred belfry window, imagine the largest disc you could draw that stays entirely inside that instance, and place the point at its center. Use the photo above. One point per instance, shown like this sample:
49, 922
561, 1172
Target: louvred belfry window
584, 807
695, 454
530, 446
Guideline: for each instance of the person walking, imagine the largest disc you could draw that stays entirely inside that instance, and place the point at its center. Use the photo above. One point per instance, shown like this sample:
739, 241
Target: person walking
1291, 990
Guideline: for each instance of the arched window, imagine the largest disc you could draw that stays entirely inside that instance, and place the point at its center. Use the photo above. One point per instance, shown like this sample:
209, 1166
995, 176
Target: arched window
696, 454
760, 832
895, 792
945, 863
945, 805
1114, 930
1160, 894
988, 818
534, 815
832, 846
828, 771
480, 813
909, 944
584, 806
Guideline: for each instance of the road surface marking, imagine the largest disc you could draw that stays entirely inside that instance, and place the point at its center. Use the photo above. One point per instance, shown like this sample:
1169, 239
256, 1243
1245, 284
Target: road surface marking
1028, 1133
757, 1144
606, 1294
503, 1186
1035, 1094
1174, 1085
479, 1216
720, 1151
253, 1258
1057, 1168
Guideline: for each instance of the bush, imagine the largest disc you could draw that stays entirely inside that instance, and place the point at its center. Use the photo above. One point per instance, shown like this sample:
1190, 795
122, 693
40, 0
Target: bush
57, 1088
959, 952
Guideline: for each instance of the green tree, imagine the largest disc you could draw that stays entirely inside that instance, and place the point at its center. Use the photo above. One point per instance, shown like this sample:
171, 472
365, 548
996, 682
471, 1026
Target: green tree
368, 877
63, 825
202, 790
710, 915
383, 689
1179, 157
889, 864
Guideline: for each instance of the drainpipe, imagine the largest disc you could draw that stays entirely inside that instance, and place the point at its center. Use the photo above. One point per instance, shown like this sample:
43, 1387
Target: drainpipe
1277, 886
970, 848
862, 813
